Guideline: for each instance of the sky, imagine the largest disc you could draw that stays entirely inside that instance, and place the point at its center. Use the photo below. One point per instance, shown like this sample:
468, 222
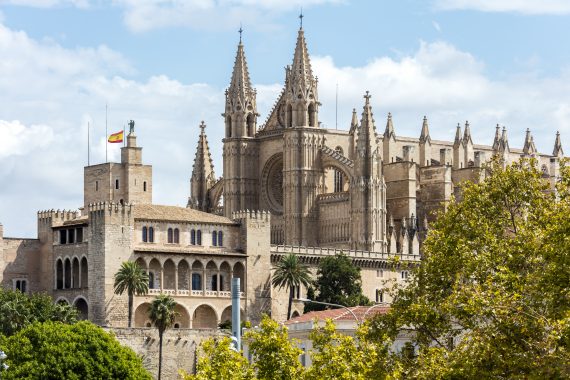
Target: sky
166, 65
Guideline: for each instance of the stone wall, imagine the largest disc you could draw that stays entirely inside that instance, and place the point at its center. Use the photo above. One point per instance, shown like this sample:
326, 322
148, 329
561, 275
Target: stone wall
19, 259
178, 348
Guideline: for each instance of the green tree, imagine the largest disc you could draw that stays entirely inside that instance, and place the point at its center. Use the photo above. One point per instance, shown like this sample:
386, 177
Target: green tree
492, 296
218, 360
132, 279
18, 310
162, 315
339, 282
290, 273
54, 350
275, 356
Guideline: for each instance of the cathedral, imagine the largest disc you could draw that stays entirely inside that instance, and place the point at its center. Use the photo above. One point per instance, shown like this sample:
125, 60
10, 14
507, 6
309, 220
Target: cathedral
288, 186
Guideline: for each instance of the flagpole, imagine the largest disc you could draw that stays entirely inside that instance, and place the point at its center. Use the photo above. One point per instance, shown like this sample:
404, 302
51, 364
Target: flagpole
88, 146
336, 109
124, 137
106, 135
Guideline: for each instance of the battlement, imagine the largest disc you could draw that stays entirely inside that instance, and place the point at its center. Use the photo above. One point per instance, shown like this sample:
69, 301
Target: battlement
58, 217
109, 206
251, 214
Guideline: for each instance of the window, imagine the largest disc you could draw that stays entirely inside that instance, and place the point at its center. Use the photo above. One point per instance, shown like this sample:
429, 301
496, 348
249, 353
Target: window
193, 237
176, 236
151, 280
214, 238
170, 235
144, 186
144, 234
20, 285
96, 185
79, 235
220, 239
151, 234
379, 296
338, 184
199, 237
70, 236
214, 282
404, 275
222, 283
379, 273
117, 184
196, 281
63, 237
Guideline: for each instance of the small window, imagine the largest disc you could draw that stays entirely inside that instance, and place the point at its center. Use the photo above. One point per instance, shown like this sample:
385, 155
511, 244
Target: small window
379, 296
196, 281
170, 236
151, 234
379, 273
404, 274
71, 236
214, 282
177, 325
63, 237
79, 235
220, 239
20, 285
144, 234
176, 236
193, 237
144, 186
117, 184
199, 237
96, 185
148, 324
214, 238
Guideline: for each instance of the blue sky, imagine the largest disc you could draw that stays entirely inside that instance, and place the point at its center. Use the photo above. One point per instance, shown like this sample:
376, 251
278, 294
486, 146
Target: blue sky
165, 63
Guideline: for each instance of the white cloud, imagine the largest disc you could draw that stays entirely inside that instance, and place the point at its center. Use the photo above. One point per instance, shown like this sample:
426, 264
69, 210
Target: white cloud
544, 7
47, 3
144, 15
17, 139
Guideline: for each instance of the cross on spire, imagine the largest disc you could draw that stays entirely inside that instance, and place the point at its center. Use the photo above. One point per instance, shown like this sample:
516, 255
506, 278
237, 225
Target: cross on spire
202, 126
240, 31
367, 96
301, 18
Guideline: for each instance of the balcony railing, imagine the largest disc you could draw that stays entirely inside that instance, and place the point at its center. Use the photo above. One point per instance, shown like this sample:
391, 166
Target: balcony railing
194, 293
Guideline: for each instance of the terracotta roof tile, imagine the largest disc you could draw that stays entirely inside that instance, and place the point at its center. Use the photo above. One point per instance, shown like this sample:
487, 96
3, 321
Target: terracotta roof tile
177, 214
343, 314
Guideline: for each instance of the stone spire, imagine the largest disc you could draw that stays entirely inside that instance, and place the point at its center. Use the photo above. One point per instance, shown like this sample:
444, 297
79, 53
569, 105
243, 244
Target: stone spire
467, 134
504, 140
354, 121
558, 151
457, 140
203, 177
497, 140
366, 143
529, 148
389, 132
241, 109
424, 136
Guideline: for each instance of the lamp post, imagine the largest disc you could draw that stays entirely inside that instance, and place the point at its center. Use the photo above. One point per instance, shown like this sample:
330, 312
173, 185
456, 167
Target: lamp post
373, 306
306, 300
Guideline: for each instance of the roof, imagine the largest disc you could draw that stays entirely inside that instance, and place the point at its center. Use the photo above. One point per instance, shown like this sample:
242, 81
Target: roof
361, 312
177, 214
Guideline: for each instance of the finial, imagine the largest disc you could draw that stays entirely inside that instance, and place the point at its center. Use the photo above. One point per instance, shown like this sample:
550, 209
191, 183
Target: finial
202, 126
367, 96
425, 118
240, 31
301, 19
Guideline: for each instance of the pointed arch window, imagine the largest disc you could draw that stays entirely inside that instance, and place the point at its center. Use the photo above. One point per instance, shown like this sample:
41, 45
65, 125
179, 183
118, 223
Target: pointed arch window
145, 234
199, 237
193, 237
214, 238
220, 239
176, 236
151, 234
170, 237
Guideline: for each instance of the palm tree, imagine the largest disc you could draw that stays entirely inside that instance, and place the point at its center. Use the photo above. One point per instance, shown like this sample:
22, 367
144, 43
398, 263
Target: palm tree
162, 314
290, 273
132, 279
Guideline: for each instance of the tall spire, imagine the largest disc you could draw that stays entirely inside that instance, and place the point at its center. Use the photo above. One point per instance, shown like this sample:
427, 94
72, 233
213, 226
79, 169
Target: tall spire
467, 134
504, 140
424, 136
389, 132
203, 177
301, 68
240, 82
367, 131
354, 121
497, 140
529, 147
457, 140
558, 151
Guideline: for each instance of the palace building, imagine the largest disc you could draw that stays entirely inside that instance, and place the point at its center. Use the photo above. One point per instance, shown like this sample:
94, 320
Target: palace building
288, 186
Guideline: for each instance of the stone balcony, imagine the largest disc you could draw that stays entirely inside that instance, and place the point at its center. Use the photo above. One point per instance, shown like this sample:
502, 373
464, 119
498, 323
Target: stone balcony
194, 293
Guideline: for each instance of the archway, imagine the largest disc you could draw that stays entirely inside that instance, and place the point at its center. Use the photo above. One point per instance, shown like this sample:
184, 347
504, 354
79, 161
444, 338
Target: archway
75, 273
182, 320
82, 307
141, 315
67, 274
197, 270
239, 272
204, 318
168, 275
84, 273
225, 273
154, 270
227, 314
59, 274
211, 276
183, 275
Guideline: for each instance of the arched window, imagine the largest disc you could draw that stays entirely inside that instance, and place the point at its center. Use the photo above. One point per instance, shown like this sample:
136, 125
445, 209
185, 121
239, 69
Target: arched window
214, 282
338, 184
220, 239
193, 237
151, 234
214, 239
176, 236
170, 236
196, 281
250, 125
221, 283
312, 115
199, 237
150, 280
289, 116
145, 234
117, 184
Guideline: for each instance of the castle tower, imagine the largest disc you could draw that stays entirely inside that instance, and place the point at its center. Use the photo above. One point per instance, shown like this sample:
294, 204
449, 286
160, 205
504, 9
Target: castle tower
367, 190
126, 182
425, 144
302, 172
301, 96
203, 177
240, 149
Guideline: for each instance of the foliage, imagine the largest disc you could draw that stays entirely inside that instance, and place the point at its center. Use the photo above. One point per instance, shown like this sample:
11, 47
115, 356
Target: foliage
492, 296
227, 324
18, 310
162, 315
218, 360
339, 282
290, 273
54, 350
131, 278
275, 356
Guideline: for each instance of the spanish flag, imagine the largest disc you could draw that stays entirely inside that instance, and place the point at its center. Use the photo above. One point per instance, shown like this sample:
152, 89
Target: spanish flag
116, 137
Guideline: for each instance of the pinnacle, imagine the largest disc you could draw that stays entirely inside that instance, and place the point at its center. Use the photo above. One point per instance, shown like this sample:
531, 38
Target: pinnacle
558, 151
240, 81
529, 147
301, 67
367, 130
457, 140
424, 136
203, 165
389, 126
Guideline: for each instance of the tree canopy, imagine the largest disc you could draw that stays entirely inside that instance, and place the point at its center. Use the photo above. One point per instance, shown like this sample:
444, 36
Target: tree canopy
54, 350
290, 273
18, 310
491, 298
133, 279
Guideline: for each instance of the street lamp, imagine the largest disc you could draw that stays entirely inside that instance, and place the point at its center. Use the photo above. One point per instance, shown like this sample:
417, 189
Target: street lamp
373, 306
306, 300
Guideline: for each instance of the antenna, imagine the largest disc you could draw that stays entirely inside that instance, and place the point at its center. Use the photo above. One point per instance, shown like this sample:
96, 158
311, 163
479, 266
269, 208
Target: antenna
336, 109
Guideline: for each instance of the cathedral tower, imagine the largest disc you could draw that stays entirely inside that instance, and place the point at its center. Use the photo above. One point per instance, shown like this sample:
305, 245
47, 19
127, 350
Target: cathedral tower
240, 149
